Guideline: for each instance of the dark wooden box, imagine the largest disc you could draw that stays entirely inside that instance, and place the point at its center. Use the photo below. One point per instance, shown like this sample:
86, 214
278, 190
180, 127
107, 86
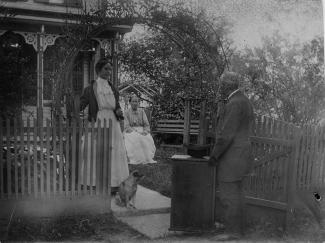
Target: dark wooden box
193, 195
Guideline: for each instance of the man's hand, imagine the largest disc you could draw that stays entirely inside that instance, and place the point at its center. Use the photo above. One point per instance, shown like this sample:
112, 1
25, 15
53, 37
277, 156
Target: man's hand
119, 112
144, 133
212, 161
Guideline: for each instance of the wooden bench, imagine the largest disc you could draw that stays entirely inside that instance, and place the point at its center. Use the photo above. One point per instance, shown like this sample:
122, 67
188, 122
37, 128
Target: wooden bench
175, 127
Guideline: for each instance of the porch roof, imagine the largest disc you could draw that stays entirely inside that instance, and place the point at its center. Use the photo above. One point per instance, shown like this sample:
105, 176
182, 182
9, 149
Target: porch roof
30, 16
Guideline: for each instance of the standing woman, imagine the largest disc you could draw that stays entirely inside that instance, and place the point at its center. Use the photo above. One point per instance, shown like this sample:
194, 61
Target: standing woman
102, 98
139, 143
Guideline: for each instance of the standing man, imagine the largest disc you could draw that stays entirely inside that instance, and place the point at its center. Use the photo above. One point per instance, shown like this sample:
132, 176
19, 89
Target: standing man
231, 153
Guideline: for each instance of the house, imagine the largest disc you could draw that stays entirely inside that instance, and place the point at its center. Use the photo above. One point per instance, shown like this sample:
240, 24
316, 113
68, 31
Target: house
38, 26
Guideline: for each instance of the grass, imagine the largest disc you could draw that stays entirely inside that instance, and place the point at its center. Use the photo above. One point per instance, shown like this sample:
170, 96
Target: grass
74, 228
158, 176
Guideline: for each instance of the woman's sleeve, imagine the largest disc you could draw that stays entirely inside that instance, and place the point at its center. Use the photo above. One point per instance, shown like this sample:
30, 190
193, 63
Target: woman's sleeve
126, 120
146, 125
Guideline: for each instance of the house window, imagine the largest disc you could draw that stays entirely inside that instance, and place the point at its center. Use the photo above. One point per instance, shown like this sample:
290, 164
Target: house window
77, 77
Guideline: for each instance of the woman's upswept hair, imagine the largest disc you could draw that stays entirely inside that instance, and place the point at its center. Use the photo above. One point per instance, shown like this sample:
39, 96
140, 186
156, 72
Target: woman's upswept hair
101, 63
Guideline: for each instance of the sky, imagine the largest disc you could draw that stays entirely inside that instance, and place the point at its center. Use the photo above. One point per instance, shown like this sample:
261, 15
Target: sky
298, 20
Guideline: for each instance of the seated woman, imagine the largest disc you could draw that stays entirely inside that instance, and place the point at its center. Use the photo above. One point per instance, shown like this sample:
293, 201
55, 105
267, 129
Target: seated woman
139, 144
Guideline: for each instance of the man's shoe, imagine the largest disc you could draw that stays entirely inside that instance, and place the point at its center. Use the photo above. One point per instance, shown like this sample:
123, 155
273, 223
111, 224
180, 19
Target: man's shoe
226, 237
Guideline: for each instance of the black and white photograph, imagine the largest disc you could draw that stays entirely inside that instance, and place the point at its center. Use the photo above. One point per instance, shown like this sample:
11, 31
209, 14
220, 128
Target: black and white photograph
162, 121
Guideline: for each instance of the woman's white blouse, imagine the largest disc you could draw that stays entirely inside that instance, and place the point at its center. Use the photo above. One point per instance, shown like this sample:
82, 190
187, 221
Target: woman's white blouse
106, 98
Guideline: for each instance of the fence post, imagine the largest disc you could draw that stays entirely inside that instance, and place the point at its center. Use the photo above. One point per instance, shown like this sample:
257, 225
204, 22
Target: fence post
187, 124
202, 124
292, 175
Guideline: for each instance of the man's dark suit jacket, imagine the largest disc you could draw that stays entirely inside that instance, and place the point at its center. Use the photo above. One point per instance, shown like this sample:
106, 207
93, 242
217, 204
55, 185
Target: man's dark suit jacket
89, 98
232, 148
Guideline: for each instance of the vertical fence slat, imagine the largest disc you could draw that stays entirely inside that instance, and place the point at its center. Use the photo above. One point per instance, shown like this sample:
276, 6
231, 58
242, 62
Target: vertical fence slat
40, 124
1, 161
29, 149
304, 141
15, 137
109, 167
22, 158
280, 160
92, 164
48, 161
275, 173
105, 145
35, 157
80, 155
101, 155
268, 164
54, 158
292, 174
318, 159
264, 165
310, 156
306, 154
67, 158
98, 150
323, 157
286, 161
87, 159
8, 160
259, 147
73, 155
273, 149
61, 156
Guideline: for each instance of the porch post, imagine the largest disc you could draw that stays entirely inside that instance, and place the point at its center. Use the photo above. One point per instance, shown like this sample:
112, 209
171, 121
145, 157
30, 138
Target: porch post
114, 51
85, 68
40, 75
202, 124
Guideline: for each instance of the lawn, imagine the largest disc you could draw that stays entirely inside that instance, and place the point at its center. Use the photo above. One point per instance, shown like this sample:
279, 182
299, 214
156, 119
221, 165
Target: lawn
158, 176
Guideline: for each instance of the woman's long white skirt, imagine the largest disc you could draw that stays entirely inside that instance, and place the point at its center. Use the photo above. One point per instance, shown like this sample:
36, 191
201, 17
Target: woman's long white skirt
140, 149
119, 165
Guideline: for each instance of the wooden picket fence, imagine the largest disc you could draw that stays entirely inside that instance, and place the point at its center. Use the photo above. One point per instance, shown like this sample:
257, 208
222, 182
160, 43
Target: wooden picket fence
50, 160
288, 161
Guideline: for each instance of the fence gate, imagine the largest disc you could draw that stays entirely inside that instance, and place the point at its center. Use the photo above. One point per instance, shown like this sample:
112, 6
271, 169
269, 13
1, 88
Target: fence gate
288, 170
48, 169
266, 188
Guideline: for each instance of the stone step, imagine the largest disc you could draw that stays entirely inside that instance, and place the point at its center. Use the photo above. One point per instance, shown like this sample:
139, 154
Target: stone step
147, 202
154, 226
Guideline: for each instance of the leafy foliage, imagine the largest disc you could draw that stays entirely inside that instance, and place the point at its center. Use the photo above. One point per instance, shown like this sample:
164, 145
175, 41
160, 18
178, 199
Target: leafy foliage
285, 80
178, 70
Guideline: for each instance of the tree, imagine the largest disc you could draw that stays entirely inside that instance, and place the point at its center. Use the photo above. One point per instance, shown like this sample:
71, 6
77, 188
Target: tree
284, 80
179, 69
